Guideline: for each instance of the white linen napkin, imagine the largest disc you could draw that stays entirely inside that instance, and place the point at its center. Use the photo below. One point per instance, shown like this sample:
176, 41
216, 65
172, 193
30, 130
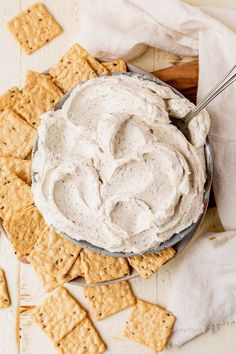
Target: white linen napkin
203, 287
203, 292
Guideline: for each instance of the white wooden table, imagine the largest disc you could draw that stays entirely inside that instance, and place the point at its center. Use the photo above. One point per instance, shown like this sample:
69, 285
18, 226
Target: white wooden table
17, 333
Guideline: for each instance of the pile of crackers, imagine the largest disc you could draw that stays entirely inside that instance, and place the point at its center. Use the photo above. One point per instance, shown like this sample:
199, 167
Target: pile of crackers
55, 259
67, 324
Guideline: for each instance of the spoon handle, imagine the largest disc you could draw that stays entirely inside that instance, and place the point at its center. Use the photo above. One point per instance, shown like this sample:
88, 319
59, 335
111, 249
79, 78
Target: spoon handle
227, 80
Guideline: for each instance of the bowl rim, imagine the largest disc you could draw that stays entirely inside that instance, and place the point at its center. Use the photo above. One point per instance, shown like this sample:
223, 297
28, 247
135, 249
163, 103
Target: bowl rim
179, 240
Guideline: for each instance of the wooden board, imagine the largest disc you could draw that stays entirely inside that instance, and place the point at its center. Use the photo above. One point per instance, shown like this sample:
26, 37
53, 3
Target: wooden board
183, 77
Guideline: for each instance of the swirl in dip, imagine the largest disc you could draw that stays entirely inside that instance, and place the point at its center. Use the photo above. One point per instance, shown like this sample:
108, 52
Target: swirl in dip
112, 169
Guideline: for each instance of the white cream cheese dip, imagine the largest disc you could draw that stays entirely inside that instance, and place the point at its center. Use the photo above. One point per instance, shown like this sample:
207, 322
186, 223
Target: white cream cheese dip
111, 169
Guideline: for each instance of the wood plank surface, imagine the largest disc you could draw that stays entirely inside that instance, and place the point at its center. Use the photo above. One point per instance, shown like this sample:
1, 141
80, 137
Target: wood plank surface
17, 332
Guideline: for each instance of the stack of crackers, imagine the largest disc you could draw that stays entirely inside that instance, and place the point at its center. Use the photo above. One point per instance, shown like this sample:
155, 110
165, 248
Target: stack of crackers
55, 259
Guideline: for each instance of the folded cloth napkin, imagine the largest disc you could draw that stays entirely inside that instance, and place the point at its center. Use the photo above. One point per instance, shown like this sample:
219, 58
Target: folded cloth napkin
123, 28
204, 285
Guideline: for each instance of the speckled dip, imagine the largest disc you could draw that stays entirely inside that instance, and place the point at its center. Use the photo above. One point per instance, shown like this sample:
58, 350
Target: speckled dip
179, 240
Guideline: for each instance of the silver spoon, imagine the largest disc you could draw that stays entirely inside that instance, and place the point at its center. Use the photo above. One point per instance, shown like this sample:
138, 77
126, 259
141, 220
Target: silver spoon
227, 80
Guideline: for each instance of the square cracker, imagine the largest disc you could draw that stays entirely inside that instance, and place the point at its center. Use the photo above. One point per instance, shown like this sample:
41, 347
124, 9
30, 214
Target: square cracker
23, 228
53, 254
51, 282
76, 270
38, 96
98, 268
150, 325
10, 98
34, 27
4, 295
16, 136
116, 66
83, 339
148, 264
95, 65
22, 168
14, 194
105, 300
73, 69
58, 314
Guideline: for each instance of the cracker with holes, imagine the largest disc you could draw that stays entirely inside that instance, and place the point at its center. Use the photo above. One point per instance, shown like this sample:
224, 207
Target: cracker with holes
95, 65
98, 268
53, 254
10, 98
16, 135
38, 96
116, 66
14, 194
106, 300
58, 314
51, 282
150, 325
4, 295
20, 167
34, 27
74, 68
23, 228
148, 264
76, 270
83, 339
